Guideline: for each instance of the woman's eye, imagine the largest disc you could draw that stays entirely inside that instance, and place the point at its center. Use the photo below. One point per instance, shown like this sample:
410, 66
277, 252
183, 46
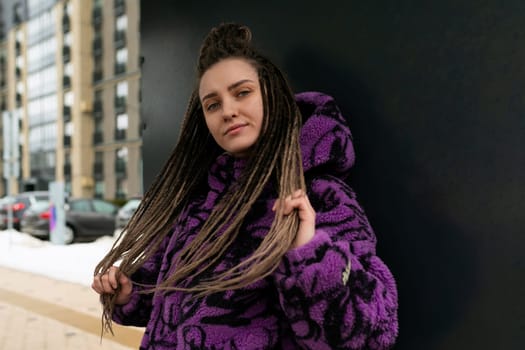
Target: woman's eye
212, 106
243, 93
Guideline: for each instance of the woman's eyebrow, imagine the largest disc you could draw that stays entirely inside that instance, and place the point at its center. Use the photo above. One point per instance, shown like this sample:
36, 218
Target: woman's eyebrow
231, 87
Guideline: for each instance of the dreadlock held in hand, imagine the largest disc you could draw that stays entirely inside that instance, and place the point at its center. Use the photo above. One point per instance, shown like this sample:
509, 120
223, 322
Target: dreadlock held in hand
226, 241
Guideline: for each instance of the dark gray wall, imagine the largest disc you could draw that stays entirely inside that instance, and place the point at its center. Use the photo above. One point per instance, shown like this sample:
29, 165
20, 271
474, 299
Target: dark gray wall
435, 95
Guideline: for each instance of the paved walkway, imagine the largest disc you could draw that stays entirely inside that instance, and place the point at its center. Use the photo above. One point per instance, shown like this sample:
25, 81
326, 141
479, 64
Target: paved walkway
38, 313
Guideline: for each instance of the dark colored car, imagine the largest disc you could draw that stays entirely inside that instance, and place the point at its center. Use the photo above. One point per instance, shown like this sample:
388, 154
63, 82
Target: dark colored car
19, 203
125, 213
86, 219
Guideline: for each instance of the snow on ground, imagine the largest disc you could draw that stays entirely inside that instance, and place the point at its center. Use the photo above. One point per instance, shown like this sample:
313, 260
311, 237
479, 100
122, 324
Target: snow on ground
73, 263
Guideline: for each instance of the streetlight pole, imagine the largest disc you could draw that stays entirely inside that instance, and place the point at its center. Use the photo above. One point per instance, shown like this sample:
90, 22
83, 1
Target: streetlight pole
11, 133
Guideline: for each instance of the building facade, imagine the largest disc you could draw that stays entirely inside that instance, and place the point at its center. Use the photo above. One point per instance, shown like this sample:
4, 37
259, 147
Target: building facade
72, 76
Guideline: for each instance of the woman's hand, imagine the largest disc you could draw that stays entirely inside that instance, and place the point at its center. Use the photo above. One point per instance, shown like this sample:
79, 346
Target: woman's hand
299, 201
108, 283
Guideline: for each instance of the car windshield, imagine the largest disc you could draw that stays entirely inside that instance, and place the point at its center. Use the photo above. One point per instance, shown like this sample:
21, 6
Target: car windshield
132, 204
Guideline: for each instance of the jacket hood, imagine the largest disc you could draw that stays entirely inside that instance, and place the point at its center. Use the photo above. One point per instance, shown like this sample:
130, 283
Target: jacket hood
326, 140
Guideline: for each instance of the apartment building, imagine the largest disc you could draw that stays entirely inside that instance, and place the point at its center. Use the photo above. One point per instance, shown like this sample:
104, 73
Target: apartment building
72, 77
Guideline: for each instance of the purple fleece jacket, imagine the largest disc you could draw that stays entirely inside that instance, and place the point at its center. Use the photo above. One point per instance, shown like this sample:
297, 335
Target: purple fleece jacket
332, 293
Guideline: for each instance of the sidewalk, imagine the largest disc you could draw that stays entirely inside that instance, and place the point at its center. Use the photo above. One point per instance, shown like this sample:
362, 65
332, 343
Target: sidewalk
38, 313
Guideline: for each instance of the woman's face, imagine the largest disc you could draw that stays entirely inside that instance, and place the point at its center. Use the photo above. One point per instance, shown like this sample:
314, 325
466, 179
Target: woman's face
231, 99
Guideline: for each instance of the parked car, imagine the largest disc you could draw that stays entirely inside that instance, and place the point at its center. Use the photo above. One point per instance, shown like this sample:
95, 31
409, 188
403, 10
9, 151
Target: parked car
86, 219
19, 204
125, 213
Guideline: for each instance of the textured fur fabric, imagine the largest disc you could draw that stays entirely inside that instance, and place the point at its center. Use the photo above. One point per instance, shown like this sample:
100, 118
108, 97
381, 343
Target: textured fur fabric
332, 293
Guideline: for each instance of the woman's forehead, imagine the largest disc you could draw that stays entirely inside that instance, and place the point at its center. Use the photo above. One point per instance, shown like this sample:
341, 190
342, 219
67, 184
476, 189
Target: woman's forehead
226, 72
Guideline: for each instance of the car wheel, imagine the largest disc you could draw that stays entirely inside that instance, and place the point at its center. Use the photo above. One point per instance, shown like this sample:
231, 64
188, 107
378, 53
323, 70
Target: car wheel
69, 235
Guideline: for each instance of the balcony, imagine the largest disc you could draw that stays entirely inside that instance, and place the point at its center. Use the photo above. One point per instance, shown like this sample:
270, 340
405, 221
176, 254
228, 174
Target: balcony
67, 114
120, 7
120, 39
66, 82
120, 134
66, 24
120, 104
67, 141
97, 46
97, 17
120, 68
66, 54
98, 112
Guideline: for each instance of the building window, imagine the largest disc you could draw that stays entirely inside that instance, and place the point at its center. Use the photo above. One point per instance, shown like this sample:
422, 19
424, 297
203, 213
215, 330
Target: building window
122, 121
121, 160
42, 54
68, 39
121, 127
122, 89
69, 98
68, 132
40, 27
20, 62
122, 56
98, 167
43, 137
121, 94
42, 82
69, 8
121, 23
98, 106
20, 87
42, 110
17, 13
98, 136
37, 6
99, 189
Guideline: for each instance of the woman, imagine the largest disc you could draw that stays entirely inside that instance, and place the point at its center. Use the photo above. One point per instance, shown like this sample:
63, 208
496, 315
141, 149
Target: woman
250, 238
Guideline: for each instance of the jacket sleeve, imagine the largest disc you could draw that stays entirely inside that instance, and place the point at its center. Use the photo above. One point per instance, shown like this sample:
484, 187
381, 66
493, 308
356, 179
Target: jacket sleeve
137, 311
334, 290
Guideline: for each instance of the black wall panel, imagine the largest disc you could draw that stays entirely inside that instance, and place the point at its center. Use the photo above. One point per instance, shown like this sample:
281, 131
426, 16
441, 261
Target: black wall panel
435, 95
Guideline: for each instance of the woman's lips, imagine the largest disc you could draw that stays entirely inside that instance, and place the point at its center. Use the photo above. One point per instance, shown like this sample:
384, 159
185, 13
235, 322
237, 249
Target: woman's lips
235, 129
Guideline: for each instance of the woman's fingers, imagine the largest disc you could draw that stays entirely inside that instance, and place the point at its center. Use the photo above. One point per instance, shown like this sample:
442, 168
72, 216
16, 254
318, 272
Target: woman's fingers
298, 200
107, 282
109, 279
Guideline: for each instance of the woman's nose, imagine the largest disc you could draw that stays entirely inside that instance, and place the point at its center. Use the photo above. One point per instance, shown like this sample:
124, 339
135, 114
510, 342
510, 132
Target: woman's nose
229, 109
